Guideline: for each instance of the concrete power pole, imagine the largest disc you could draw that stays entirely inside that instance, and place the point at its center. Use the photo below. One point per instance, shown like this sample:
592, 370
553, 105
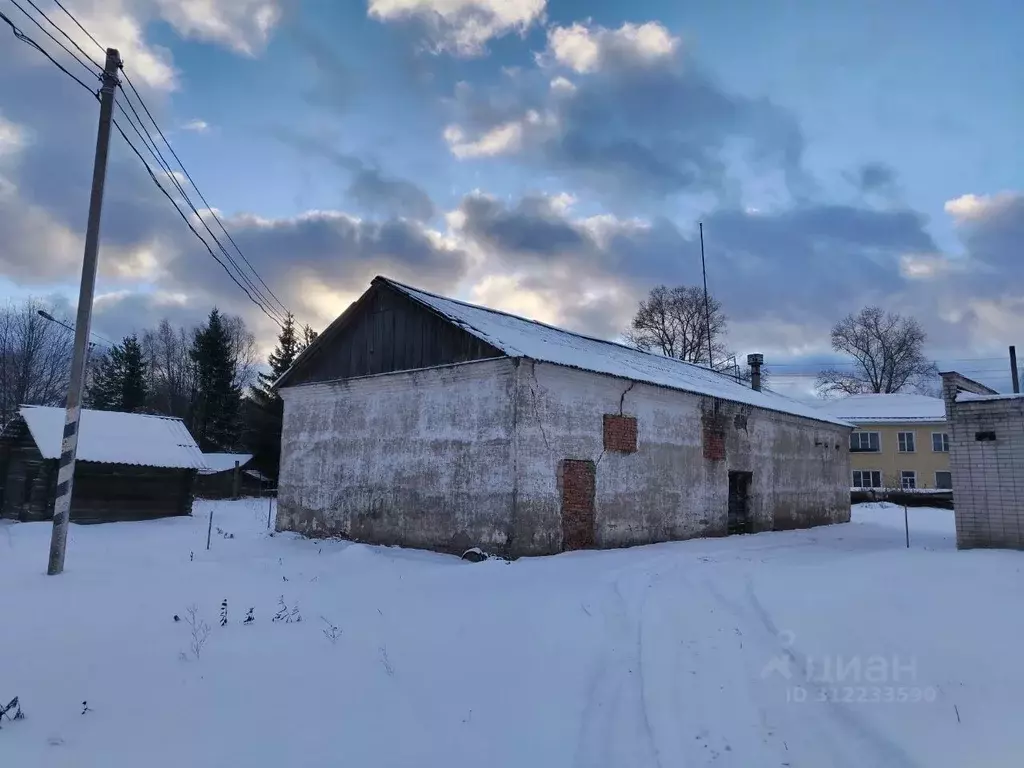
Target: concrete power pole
69, 445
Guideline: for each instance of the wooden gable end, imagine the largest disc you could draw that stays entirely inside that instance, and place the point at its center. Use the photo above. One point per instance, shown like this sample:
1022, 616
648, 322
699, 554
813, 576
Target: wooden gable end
383, 332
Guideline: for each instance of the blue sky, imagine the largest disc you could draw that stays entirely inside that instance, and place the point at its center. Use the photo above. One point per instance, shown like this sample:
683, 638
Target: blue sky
551, 158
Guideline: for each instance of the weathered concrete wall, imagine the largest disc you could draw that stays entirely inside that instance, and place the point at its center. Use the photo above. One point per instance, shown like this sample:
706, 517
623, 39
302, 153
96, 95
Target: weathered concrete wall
987, 451
475, 455
421, 458
669, 488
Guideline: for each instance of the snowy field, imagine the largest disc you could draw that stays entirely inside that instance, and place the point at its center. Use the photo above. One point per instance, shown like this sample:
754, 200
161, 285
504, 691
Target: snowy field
830, 647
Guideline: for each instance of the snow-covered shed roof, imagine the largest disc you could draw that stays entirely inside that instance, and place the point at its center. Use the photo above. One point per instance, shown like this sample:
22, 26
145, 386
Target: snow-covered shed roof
520, 337
970, 397
223, 462
895, 408
111, 437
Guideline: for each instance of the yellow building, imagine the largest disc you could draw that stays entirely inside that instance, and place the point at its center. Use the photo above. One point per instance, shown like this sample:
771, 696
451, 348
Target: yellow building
901, 440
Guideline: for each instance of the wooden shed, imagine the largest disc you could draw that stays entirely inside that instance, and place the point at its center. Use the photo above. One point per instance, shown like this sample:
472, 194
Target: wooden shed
130, 466
226, 477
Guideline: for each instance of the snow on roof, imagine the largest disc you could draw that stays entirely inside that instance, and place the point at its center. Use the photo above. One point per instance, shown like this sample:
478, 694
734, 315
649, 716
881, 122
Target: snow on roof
897, 407
970, 397
111, 437
222, 462
519, 337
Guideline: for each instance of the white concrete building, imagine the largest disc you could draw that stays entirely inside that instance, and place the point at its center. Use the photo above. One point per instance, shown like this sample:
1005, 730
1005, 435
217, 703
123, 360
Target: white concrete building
987, 457
423, 421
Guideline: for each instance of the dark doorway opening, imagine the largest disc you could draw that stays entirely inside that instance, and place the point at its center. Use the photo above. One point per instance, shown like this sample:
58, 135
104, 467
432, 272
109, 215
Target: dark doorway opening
739, 502
578, 481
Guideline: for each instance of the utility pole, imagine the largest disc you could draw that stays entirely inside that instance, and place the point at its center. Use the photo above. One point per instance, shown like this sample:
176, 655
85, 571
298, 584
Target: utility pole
707, 304
1014, 375
69, 445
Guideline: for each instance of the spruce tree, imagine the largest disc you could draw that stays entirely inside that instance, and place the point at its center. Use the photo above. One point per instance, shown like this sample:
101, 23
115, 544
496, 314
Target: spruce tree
134, 390
280, 360
218, 401
265, 430
119, 380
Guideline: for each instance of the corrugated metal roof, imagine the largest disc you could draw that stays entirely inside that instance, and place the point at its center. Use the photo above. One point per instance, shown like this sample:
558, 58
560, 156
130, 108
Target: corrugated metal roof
519, 337
111, 437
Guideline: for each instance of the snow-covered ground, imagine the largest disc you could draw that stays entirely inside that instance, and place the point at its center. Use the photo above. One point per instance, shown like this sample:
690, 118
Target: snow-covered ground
830, 647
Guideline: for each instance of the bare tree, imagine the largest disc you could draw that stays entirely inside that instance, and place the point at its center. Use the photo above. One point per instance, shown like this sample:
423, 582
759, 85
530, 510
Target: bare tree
172, 383
674, 322
887, 351
35, 358
244, 351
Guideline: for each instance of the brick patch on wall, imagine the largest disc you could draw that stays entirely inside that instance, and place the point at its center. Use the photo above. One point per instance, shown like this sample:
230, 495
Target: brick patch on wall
713, 435
619, 433
578, 481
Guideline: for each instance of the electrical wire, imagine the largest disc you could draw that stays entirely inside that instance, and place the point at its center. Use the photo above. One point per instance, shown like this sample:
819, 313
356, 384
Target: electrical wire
46, 32
184, 217
161, 161
20, 35
66, 35
79, 25
195, 186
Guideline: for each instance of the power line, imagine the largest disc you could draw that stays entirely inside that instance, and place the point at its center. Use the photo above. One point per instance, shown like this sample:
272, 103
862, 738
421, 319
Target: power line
79, 25
66, 35
46, 32
194, 186
29, 41
154, 150
20, 35
184, 218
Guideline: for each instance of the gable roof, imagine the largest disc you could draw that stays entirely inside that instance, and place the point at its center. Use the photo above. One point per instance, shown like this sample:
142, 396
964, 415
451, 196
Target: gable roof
111, 437
893, 408
519, 337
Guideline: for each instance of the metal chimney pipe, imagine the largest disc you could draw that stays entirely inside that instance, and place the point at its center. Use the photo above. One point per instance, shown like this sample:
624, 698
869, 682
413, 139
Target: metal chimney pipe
755, 361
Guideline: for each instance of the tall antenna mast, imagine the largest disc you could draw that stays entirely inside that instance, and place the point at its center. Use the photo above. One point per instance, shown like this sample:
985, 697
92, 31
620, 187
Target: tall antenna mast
707, 304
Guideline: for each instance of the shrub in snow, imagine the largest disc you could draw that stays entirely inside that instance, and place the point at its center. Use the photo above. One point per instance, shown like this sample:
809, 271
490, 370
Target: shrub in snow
249, 618
386, 661
224, 612
200, 629
12, 706
86, 707
331, 632
286, 614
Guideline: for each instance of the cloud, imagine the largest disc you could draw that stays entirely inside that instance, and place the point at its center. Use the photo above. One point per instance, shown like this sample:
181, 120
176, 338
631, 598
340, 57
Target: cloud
586, 48
383, 195
875, 177
371, 188
197, 126
242, 25
504, 139
462, 27
970, 207
992, 229
638, 121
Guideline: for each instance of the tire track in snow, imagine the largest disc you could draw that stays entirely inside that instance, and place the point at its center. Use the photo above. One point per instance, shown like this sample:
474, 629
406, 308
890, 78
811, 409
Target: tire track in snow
616, 727
848, 718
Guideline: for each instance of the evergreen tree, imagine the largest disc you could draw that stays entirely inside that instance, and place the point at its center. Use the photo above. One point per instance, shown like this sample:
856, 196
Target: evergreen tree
119, 379
133, 384
280, 360
264, 438
218, 400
